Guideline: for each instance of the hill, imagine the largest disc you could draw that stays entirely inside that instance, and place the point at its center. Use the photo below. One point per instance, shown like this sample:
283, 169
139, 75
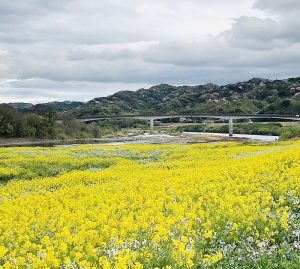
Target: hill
21, 106
55, 106
256, 96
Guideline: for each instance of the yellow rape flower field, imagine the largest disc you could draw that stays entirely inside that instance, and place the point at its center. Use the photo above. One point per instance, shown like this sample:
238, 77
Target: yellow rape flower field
226, 205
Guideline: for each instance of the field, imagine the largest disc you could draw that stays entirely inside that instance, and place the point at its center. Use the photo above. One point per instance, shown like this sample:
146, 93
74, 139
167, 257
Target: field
225, 205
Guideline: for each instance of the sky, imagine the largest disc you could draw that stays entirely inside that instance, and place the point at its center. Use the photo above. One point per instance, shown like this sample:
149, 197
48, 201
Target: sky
78, 49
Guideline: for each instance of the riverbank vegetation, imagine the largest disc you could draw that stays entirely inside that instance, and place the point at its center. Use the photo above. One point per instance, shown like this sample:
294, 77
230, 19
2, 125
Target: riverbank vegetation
43, 125
151, 206
284, 131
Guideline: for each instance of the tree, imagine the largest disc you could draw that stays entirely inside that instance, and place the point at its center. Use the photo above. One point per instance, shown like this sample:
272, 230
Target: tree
71, 124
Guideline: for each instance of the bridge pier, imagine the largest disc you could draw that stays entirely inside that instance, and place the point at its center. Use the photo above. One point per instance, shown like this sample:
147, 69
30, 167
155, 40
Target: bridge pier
151, 125
230, 126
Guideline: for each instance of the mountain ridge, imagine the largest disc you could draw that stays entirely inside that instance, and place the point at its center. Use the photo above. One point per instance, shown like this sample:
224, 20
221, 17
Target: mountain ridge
255, 96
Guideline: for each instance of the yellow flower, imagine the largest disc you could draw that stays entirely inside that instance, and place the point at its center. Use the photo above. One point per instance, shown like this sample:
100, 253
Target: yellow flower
103, 261
134, 205
284, 220
208, 234
138, 265
3, 251
212, 259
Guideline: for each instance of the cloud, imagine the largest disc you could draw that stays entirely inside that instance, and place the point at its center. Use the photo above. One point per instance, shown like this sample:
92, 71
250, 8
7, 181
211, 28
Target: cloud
102, 21
55, 49
33, 90
278, 6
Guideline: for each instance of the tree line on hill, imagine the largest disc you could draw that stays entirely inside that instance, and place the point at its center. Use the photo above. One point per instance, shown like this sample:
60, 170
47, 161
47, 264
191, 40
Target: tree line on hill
256, 96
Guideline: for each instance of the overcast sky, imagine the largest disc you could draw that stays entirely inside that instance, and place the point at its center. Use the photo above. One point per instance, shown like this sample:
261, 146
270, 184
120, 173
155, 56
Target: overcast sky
81, 49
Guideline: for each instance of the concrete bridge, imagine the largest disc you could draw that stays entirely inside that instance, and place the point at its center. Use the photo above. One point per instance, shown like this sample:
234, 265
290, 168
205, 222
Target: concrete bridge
229, 118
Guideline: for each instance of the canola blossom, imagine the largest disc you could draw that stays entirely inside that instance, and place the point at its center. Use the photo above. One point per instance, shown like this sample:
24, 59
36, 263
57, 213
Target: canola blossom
225, 205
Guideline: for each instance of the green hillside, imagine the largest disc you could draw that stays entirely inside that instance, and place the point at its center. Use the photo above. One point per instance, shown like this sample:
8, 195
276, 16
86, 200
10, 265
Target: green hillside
256, 96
